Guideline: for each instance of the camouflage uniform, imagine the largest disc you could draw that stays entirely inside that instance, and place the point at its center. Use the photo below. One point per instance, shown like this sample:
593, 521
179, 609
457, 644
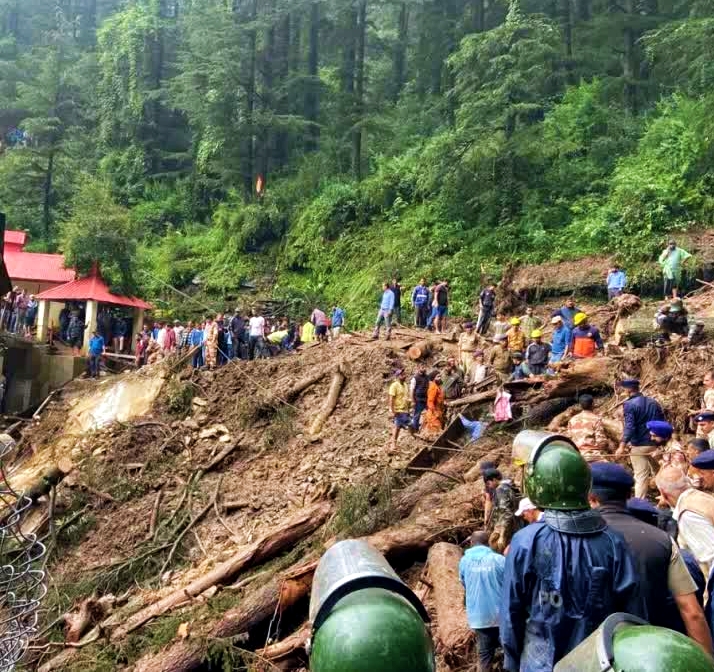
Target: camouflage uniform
586, 431
503, 523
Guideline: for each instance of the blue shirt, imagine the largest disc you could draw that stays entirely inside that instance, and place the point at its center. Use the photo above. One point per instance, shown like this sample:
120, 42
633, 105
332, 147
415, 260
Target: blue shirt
638, 411
560, 341
420, 295
338, 317
481, 572
195, 338
568, 315
616, 280
387, 304
96, 345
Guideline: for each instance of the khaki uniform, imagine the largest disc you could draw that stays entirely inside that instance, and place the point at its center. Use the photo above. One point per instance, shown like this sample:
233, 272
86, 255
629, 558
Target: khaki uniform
467, 345
587, 433
212, 346
529, 324
516, 340
499, 359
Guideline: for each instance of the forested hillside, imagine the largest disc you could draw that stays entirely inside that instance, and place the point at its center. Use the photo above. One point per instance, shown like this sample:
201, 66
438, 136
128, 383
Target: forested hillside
319, 145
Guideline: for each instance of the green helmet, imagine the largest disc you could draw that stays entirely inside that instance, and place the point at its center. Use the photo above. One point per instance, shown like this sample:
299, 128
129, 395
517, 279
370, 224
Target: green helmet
556, 476
372, 630
624, 643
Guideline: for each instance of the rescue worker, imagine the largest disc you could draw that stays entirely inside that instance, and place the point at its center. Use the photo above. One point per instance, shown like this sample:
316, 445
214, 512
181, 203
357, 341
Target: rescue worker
586, 431
678, 322
704, 465
453, 380
560, 341
638, 410
565, 575
420, 303
694, 512
672, 452
418, 388
705, 426
585, 340
516, 337
521, 371
486, 304
468, 340
499, 358
658, 557
529, 322
537, 353
502, 522
697, 335
568, 311
528, 511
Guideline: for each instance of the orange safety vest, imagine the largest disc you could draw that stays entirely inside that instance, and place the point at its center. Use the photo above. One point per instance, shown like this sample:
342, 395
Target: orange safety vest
584, 346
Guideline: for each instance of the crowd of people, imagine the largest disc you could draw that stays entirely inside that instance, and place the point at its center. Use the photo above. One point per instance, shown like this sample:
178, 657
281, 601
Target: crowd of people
18, 312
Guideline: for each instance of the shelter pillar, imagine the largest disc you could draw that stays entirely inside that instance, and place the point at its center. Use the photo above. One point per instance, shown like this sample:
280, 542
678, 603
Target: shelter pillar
136, 328
90, 319
43, 319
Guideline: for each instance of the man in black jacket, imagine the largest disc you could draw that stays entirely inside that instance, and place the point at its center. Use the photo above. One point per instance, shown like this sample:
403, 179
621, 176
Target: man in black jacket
659, 561
237, 327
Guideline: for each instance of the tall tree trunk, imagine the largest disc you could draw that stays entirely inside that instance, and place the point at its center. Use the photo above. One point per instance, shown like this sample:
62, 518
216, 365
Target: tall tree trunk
47, 195
282, 67
359, 90
248, 153
630, 59
400, 52
349, 53
266, 96
312, 92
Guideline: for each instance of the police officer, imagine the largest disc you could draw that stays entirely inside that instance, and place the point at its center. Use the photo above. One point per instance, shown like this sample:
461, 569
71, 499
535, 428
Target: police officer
704, 463
705, 426
564, 576
658, 557
638, 410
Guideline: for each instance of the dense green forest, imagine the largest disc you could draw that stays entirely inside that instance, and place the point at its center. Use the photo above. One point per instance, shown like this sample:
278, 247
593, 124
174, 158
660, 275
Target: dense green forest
317, 146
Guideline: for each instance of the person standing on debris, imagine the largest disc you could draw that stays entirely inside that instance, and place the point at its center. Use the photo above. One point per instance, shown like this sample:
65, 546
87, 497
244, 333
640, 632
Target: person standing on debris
419, 392
638, 410
694, 512
658, 557
616, 282
386, 310
705, 426
528, 511
481, 573
502, 522
338, 321
478, 371
237, 328
500, 359
397, 291
585, 340
537, 354
398, 406
672, 260
529, 322
468, 340
560, 341
568, 311
97, 348
521, 370
516, 337
501, 325
319, 321
211, 343
486, 305
586, 431
440, 306
256, 333
420, 303
195, 341
565, 575
435, 410
453, 380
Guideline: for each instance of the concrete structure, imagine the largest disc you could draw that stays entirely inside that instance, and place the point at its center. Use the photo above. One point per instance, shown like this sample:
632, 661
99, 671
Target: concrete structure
94, 292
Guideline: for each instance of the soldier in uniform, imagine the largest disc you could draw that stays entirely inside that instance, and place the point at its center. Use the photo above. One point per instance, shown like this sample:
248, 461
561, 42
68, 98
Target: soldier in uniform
502, 522
586, 431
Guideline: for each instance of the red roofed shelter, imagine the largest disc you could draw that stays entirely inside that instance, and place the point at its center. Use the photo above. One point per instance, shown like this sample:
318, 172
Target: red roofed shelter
32, 271
94, 291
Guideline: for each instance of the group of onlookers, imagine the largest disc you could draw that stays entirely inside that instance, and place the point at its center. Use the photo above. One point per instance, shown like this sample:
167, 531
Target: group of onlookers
18, 312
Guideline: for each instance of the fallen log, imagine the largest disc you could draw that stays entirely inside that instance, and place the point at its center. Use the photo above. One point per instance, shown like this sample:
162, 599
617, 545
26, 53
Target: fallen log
293, 392
267, 547
640, 330
544, 411
488, 395
287, 647
453, 637
420, 350
333, 395
578, 376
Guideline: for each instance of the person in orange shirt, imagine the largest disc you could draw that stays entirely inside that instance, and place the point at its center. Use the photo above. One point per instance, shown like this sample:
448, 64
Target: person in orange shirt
585, 340
516, 337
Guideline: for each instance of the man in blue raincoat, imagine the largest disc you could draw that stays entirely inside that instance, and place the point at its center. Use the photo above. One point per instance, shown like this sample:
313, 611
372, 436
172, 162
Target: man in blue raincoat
564, 577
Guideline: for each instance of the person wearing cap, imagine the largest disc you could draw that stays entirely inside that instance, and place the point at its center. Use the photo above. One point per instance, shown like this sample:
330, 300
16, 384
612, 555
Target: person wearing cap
481, 573
587, 432
705, 426
660, 563
398, 406
671, 260
486, 305
528, 511
696, 334
499, 358
704, 466
694, 512
501, 522
516, 337
671, 450
537, 353
678, 319
616, 281
560, 340
565, 575
585, 339
638, 410
568, 311
529, 322
521, 371
468, 340
478, 371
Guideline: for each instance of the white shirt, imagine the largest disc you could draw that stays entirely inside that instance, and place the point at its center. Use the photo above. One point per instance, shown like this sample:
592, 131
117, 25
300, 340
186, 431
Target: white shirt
695, 533
161, 338
257, 326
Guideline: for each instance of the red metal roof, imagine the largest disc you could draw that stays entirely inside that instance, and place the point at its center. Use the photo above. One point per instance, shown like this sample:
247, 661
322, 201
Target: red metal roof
15, 238
37, 267
91, 288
